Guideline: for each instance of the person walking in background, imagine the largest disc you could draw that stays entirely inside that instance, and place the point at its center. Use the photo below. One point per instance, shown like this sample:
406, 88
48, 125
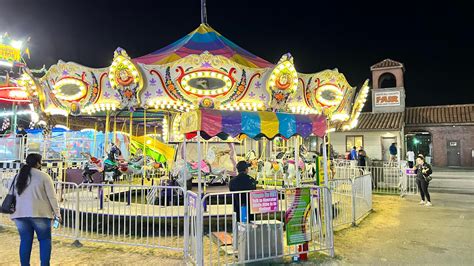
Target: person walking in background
36, 207
353, 153
410, 158
393, 152
362, 156
423, 171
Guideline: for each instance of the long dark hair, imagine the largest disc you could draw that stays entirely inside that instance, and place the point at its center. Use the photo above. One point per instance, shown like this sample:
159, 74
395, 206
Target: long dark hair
25, 172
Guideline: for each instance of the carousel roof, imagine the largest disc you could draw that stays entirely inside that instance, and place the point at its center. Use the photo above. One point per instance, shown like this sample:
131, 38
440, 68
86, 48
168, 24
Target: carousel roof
204, 38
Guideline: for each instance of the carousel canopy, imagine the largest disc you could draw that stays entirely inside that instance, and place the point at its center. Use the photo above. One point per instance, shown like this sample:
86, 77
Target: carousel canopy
202, 39
252, 124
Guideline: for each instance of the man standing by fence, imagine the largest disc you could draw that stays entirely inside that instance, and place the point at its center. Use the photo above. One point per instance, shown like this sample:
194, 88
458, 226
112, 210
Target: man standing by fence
242, 182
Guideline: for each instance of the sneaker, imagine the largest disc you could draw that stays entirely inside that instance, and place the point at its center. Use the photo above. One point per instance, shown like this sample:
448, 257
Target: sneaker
428, 204
422, 202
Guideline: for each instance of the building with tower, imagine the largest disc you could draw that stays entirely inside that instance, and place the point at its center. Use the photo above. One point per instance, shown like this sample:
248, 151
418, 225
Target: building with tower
443, 134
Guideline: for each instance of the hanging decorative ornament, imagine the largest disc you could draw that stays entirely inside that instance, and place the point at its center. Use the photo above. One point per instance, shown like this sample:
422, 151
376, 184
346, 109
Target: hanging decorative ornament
125, 77
282, 83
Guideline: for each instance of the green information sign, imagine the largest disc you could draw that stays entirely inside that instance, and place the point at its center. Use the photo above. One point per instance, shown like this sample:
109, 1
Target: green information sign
297, 218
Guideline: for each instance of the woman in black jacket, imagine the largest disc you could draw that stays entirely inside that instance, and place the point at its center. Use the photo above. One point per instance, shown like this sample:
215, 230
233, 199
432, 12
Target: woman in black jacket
423, 170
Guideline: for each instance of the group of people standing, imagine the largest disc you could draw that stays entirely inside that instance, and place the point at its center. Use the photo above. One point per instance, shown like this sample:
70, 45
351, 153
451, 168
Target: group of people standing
358, 155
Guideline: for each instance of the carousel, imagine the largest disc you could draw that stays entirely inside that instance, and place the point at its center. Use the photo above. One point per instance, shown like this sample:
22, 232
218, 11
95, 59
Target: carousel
198, 106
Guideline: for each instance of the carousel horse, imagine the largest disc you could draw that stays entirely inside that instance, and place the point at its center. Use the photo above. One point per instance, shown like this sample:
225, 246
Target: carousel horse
218, 173
112, 164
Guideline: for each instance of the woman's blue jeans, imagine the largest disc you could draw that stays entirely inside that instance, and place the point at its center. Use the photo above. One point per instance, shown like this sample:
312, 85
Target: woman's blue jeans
26, 228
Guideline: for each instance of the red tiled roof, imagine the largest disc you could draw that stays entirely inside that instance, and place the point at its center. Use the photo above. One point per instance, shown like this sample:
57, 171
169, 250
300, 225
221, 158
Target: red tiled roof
437, 115
376, 121
387, 63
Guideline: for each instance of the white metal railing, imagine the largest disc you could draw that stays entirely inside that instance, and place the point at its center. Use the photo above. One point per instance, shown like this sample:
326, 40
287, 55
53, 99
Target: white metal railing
220, 235
205, 229
351, 199
118, 214
385, 180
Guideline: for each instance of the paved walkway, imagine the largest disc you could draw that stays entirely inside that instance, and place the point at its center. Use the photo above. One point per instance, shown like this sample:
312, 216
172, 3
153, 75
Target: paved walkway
402, 232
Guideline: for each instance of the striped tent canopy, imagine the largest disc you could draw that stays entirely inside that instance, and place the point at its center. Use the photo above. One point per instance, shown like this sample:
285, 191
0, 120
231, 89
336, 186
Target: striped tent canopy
202, 39
251, 124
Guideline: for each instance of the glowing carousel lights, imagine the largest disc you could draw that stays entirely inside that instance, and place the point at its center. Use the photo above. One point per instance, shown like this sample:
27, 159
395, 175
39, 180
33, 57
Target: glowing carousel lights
100, 107
61, 93
303, 110
120, 70
340, 117
164, 130
171, 105
176, 124
329, 95
56, 111
205, 76
358, 105
247, 106
282, 75
26, 81
18, 94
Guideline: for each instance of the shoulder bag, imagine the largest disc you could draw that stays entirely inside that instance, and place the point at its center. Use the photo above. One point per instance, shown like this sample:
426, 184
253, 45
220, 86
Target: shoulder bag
9, 203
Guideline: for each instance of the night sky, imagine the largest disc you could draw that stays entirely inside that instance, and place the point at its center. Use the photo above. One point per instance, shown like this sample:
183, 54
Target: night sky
435, 42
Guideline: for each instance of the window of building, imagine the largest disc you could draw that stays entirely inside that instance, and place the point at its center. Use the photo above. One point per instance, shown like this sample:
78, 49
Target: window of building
352, 141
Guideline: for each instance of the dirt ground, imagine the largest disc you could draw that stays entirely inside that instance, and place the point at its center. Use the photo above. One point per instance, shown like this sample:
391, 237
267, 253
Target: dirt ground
89, 254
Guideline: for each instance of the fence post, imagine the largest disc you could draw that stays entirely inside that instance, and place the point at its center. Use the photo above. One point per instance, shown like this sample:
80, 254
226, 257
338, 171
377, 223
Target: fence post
199, 231
186, 226
353, 197
76, 242
328, 215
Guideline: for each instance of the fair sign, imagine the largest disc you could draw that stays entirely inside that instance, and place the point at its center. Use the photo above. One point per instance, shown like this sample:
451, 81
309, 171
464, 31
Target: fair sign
263, 201
387, 98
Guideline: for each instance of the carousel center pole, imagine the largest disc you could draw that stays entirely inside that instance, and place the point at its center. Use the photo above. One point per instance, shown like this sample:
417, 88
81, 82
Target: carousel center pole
114, 139
199, 162
144, 145
203, 12
14, 125
130, 131
185, 168
106, 133
298, 176
94, 145
325, 163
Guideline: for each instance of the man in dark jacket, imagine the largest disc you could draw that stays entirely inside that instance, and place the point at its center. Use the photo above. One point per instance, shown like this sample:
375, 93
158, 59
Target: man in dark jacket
242, 182
393, 152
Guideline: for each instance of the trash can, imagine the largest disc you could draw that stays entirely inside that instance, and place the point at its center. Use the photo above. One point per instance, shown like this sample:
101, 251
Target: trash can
260, 239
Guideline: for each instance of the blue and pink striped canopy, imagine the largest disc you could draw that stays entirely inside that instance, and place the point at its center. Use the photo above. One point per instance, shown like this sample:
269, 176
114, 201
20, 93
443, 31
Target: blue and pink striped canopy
204, 38
252, 124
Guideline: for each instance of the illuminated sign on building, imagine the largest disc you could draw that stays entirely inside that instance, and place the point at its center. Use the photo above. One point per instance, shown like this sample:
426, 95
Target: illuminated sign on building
387, 98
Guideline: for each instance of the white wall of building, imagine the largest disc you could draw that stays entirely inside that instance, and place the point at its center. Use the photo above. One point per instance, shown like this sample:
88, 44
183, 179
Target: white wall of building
372, 142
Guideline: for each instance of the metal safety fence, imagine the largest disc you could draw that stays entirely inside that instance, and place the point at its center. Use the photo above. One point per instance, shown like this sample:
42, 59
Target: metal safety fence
351, 199
150, 216
385, 180
215, 228
252, 226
